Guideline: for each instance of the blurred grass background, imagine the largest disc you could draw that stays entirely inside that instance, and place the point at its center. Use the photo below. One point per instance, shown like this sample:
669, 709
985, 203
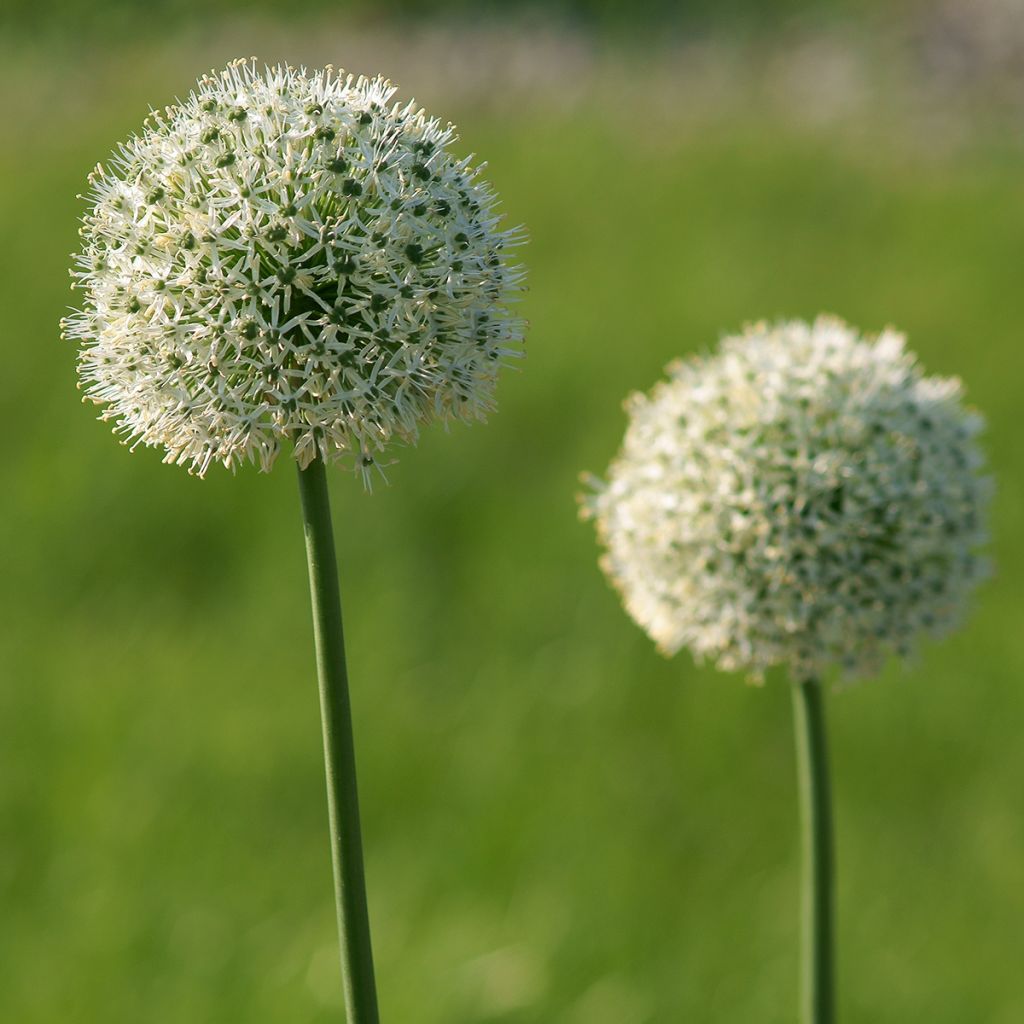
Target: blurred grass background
560, 825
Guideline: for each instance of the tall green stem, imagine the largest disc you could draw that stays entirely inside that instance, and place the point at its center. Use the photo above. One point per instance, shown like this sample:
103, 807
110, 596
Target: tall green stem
339, 750
817, 996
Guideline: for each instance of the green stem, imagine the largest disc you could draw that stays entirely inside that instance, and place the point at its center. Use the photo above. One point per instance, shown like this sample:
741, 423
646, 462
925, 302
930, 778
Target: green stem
339, 751
817, 996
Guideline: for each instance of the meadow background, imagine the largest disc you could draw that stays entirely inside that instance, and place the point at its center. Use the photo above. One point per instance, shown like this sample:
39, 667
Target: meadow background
560, 825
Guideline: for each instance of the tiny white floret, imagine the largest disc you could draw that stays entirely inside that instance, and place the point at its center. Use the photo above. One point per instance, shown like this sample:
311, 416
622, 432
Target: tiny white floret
291, 259
803, 498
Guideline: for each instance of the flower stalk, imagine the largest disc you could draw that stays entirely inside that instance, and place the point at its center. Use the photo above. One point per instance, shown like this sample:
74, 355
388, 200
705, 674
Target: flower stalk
291, 261
817, 995
805, 498
339, 750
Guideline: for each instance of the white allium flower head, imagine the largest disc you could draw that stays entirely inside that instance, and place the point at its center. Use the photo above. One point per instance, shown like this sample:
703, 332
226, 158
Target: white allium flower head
290, 258
803, 498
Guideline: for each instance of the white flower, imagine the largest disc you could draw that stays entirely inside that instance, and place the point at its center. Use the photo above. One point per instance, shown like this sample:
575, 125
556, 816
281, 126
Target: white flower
802, 498
286, 257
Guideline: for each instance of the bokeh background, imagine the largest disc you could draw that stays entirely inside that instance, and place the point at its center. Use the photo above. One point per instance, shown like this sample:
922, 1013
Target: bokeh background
561, 826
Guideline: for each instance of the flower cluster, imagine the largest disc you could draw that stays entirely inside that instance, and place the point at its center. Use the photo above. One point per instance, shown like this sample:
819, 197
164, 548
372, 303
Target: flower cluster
802, 498
289, 258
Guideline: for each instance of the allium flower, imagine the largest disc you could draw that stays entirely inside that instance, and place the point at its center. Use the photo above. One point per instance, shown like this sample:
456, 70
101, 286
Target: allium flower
287, 257
804, 497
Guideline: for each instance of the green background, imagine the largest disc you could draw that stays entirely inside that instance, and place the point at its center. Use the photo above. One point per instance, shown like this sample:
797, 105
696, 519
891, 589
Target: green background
560, 825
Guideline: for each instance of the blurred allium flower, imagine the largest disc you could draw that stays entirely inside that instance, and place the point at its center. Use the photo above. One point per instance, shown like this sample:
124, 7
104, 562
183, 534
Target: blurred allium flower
286, 257
802, 498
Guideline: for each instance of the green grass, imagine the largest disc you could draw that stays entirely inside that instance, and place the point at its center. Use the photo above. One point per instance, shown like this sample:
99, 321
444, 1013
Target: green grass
561, 826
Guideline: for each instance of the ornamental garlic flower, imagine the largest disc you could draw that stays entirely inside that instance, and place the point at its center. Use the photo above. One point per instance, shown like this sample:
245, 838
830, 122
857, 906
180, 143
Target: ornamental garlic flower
805, 497
287, 257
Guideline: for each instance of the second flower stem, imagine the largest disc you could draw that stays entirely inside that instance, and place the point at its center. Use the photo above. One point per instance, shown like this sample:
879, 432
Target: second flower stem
339, 750
817, 996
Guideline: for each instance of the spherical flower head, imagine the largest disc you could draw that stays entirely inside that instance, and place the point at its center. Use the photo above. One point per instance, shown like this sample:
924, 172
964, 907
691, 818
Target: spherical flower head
803, 498
290, 258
